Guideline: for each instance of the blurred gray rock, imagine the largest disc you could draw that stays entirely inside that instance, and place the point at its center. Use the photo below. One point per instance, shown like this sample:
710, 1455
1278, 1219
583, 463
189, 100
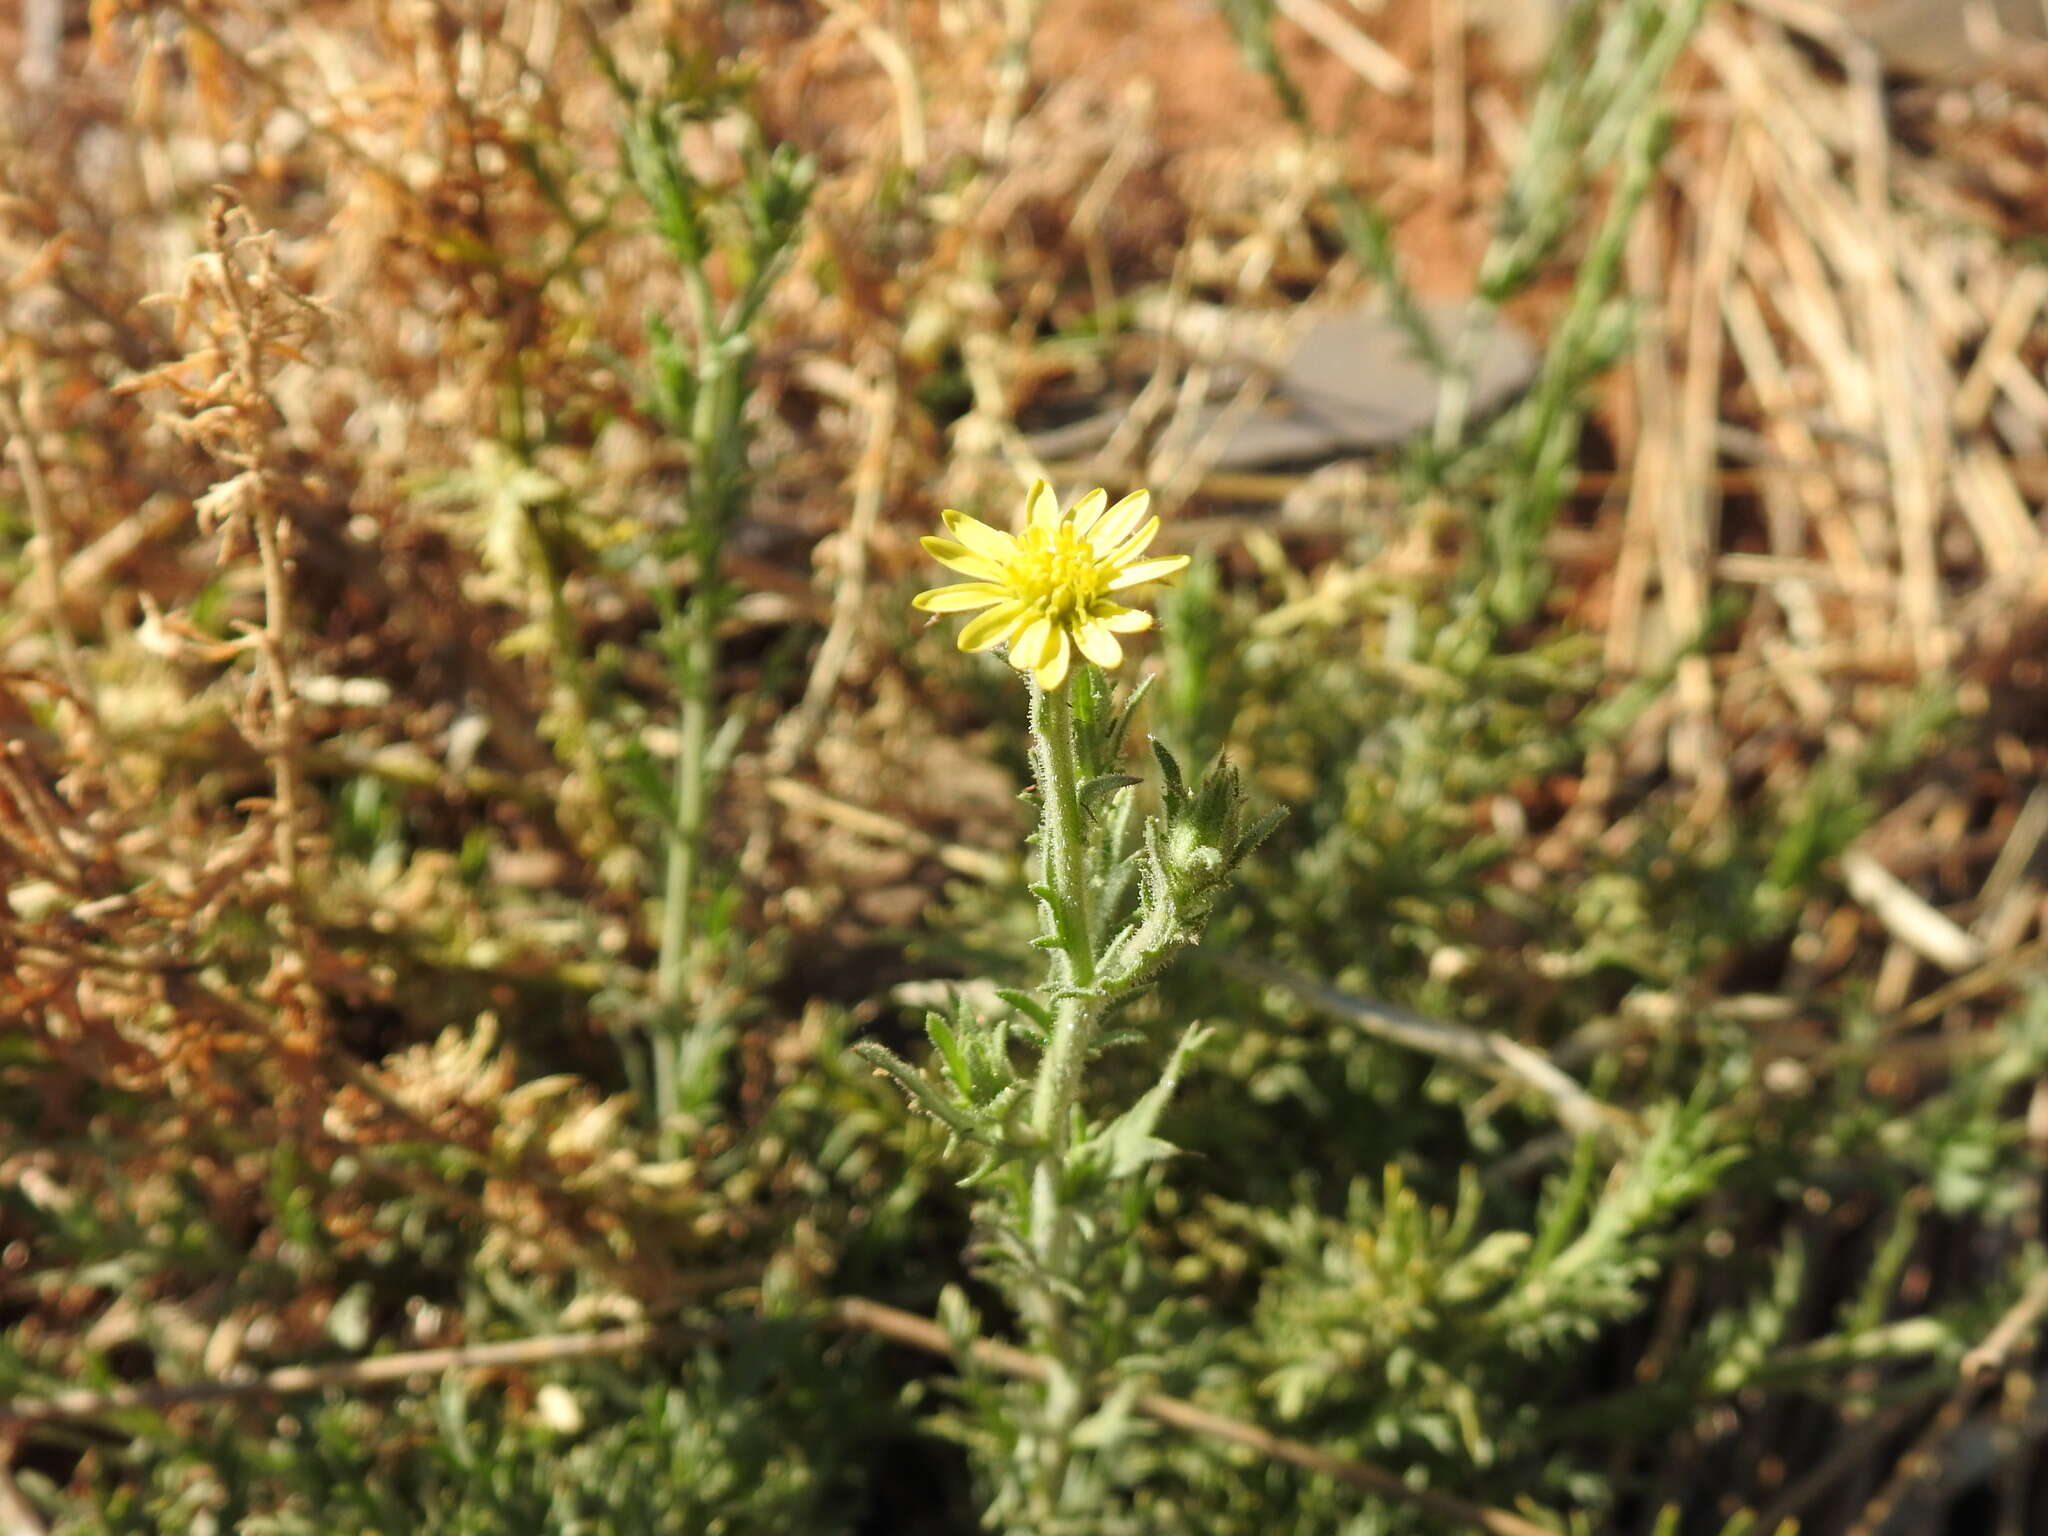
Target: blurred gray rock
1350, 382
1356, 383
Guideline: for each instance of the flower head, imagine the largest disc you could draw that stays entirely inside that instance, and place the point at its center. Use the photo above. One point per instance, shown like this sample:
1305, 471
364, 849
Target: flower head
1046, 591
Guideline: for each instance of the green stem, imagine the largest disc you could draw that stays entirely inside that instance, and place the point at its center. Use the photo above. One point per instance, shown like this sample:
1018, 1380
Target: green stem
1063, 845
687, 1043
1063, 842
685, 852
1063, 828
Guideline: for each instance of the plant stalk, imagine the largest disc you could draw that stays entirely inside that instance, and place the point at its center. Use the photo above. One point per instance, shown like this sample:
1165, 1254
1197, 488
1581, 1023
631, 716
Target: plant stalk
686, 840
684, 1041
1063, 846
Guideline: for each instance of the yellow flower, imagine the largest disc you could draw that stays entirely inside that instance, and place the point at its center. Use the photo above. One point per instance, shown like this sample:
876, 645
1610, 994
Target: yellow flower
1046, 590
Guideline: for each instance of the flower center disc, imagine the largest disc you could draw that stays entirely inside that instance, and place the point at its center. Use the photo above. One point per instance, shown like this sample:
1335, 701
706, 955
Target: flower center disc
1057, 573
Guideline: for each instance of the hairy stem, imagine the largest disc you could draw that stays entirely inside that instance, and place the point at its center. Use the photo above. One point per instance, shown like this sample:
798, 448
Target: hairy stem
1063, 846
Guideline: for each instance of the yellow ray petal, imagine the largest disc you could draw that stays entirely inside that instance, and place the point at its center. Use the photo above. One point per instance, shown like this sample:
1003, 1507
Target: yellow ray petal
1053, 670
1123, 621
961, 597
1087, 509
1041, 507
1132, 547
1119, 520
979, 537
1030, 645
1098, 644
988, 629
1147, 570
961, 559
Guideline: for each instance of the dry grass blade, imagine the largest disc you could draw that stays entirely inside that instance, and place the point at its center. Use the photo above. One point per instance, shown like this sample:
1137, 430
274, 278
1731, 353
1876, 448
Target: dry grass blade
1374, 64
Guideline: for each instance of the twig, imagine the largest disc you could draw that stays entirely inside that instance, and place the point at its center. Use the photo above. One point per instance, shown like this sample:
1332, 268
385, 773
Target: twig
877, 827
1909, 919
88, 574
1372, 63
377, 1370
1488, 1053
2029, 830
1992, 1352
895, 62
2009, 331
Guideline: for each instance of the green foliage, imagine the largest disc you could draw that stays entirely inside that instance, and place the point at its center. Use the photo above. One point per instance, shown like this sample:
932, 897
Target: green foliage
603, 1456
1426, 1330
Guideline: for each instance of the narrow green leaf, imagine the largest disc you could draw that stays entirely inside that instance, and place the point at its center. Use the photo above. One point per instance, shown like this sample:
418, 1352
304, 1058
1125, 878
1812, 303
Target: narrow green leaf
1169, 771
919, 1087
1027, 1005
948, 1044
